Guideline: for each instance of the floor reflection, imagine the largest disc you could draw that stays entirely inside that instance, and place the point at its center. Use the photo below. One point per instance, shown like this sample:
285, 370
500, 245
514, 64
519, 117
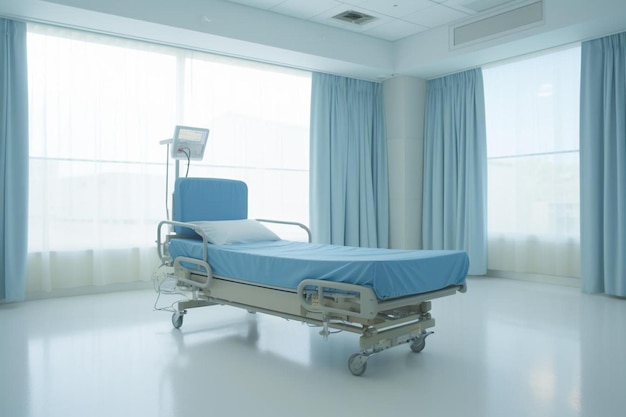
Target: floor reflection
505, 348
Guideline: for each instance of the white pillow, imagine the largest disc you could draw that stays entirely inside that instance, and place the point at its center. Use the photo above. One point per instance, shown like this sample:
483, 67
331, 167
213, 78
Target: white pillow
225, 232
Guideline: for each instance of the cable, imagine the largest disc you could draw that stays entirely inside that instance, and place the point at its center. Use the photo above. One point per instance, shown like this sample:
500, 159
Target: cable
187, 153
338, 321
158, 286
167, 182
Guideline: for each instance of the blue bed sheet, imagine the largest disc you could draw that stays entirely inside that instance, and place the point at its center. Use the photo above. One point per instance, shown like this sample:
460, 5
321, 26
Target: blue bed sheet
391, 273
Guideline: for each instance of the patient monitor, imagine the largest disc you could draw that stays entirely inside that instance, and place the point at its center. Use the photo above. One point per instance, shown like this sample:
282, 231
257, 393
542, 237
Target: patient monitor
189, 142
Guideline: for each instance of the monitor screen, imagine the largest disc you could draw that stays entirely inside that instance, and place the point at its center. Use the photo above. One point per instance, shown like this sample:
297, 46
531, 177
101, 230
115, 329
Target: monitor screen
189, 142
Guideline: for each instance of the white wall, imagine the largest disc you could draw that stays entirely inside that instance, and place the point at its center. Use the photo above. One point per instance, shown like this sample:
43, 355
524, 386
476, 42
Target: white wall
404, 101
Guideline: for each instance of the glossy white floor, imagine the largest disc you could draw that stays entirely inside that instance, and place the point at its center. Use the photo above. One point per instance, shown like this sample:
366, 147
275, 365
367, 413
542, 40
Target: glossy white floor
505, 348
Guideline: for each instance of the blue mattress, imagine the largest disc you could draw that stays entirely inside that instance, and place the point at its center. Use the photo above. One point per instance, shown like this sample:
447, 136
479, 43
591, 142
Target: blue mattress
391, 273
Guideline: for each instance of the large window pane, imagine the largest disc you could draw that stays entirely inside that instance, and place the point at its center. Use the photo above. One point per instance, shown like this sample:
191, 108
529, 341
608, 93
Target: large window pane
99, 106
532, 135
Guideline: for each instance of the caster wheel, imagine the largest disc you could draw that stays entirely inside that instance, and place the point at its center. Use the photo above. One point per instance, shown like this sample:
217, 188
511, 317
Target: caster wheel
177, 320
418, 344
357, 364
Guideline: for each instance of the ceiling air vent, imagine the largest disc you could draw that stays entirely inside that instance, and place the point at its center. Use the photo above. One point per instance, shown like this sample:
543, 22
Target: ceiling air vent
357, 18
500, 23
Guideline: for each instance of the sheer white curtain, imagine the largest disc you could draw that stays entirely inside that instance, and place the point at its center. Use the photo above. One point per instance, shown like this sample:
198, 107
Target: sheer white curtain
99, 107
533, 172
259, 121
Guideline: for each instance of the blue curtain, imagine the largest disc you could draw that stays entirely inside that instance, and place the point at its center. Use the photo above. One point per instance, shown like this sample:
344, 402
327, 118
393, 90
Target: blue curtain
349, 201
13, 160
603, 165
455, 167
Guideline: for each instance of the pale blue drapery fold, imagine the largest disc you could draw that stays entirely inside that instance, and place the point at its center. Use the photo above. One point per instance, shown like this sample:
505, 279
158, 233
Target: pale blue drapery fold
349, 190
455, 167
603, 165
13, 160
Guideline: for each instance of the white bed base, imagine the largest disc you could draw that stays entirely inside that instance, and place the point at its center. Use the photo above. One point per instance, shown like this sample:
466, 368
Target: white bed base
382, 324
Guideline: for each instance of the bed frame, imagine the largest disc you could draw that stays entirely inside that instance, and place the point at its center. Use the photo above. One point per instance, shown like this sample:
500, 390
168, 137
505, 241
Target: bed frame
381, 324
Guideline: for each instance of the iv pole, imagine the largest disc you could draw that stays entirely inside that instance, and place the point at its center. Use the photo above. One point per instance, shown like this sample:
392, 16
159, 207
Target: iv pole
169, 142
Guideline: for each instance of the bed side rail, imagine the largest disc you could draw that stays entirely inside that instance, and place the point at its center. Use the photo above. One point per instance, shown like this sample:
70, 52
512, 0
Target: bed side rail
337, 298
289, 223
201, 266
161, 244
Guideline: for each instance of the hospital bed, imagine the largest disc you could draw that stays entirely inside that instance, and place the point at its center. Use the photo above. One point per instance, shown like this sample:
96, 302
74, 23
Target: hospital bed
224, 258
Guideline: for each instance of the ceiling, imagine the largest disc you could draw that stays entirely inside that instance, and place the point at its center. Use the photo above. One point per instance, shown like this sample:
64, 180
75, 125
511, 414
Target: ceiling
415, 38
393, 19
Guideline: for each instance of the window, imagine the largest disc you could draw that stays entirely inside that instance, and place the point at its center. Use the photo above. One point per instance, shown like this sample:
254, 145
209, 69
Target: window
99, 106
532, 110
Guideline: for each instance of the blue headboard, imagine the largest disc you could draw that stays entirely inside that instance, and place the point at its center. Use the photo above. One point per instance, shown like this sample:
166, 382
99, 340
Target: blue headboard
197, 199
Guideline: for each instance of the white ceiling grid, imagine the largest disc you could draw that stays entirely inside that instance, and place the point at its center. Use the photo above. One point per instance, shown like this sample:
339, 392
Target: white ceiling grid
395, 19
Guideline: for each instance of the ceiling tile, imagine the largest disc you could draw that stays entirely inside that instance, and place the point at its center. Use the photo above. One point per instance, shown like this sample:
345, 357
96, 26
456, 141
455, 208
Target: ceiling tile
435, 15
352, 2
395, 30
259, 4
395, 8
477, 6
304, 9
